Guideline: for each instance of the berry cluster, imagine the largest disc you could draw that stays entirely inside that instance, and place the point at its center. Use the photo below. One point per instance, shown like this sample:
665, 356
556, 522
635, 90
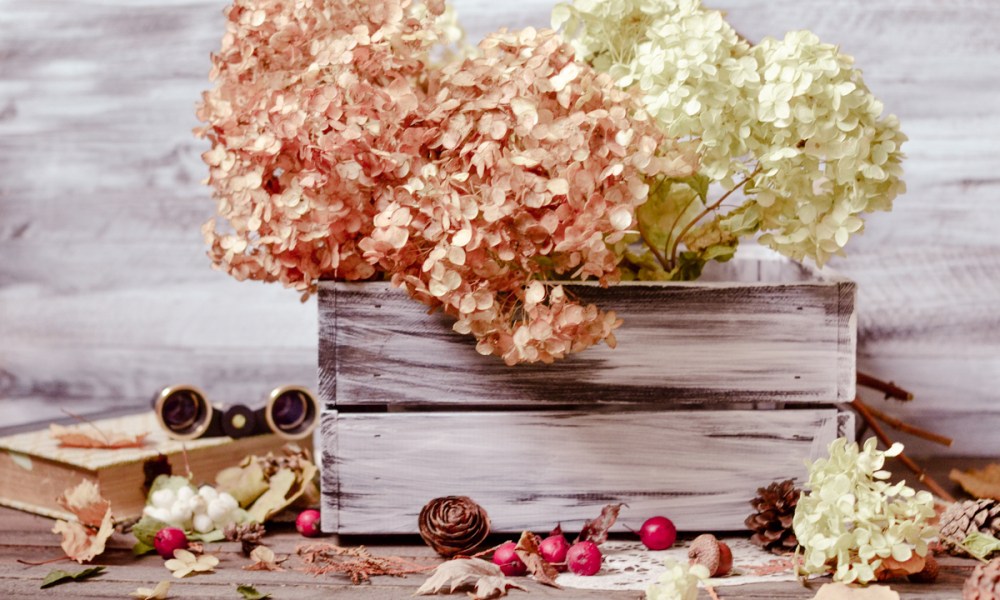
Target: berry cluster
202, 510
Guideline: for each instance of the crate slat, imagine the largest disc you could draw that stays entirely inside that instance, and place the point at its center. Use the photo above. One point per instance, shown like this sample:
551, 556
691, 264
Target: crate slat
680, 344
531, 469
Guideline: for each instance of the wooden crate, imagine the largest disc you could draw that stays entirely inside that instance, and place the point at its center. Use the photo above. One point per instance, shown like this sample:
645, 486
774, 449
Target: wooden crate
716, 387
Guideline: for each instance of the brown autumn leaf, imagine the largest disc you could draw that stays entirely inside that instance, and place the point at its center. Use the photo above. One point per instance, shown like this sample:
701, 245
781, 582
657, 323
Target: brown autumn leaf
597, 530
484, 579
984, 483
527, 550
894, 569
84, 538
840, 591
90, 437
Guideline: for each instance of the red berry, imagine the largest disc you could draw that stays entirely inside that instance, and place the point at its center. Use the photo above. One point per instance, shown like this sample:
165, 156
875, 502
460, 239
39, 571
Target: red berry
308, 523
553, 549
658, 533
169, 539
510, 563
584, 558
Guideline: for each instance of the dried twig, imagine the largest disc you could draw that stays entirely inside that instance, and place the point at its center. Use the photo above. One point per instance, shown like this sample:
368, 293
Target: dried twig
907, 428
711, 592
357, 563
865, 412
890, 389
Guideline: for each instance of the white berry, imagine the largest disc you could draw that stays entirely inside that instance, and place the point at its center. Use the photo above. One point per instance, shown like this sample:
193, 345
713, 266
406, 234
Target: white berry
185, 493
208, 492
203, 523
228, 501
218, 511
163, 498
160, 514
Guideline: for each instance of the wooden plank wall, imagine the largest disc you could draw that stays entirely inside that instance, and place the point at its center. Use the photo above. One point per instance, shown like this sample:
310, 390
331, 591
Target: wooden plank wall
105, 293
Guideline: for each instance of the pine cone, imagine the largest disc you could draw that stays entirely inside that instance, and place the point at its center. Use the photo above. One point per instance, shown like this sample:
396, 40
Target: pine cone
249, 535
970, 516
984, 583
772, 522
453, 525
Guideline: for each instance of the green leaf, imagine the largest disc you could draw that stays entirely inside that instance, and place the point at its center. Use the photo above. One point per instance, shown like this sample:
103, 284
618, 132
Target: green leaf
145, 530
59, 577
249, 592
980, 545
216, 535
141, 548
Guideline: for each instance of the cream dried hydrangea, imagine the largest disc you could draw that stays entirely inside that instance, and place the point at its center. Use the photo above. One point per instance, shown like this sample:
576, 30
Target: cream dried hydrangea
790, 121
850, 519
679, 582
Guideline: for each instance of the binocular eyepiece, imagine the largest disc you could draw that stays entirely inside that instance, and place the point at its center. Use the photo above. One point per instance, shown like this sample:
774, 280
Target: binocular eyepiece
185, 414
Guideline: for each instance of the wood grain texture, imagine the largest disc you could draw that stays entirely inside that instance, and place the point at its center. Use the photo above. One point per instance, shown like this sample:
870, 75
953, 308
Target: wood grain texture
100, 205
531, 469
681, 343
28, 537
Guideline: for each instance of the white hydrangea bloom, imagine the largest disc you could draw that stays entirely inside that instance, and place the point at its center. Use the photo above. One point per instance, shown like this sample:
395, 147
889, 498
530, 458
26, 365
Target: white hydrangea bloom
793, 115
849, 518
678, 582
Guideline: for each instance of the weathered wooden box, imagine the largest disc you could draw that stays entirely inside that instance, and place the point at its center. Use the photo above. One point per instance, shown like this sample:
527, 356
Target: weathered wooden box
716, 387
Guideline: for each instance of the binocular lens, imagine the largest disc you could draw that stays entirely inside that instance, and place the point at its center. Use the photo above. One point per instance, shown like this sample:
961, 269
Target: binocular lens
292, 412
183, 412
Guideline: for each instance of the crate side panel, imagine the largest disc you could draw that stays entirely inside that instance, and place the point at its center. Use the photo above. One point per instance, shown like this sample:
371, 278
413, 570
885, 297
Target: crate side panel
532, 469
683, 344
329, 479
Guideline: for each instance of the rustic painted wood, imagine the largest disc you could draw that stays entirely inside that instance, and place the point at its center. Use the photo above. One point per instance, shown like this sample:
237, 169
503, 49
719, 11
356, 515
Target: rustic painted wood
28, 537
531, 469
105, 293
698, 343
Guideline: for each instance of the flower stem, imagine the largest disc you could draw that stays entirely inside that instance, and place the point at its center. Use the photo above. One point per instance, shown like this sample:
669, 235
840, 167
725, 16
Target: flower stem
708, 209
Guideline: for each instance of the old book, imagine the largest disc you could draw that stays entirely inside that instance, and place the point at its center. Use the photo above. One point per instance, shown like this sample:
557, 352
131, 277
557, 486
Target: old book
35, 469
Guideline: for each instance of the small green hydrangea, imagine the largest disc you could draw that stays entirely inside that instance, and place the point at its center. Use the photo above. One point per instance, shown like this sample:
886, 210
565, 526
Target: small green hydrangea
849, 518
790, 120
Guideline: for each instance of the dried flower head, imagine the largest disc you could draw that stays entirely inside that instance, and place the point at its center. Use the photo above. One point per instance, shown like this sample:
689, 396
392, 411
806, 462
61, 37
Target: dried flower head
791, 120
341, 150
850, 519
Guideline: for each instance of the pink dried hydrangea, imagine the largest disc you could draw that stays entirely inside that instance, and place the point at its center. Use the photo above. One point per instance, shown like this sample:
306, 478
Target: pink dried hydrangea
340, 151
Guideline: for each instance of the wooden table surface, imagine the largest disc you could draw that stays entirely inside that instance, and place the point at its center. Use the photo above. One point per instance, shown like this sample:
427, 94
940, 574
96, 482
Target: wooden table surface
27, 537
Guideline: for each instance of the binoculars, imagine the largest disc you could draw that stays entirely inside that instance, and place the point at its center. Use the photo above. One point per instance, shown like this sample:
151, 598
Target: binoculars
185, 414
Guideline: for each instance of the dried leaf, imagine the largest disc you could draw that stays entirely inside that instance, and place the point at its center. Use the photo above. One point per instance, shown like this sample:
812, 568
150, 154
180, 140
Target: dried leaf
157, 593
527, 550
981, 545
249, 592
892, 568
264, 560
984, 483
597, 530
484, 578
840, 591
59, 577
184, 563
85, 538
245, 483
90, 437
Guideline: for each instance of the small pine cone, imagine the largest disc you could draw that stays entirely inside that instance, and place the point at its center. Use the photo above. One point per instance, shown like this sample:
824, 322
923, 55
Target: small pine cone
249, 535
453, 525
930, 572
771, 523
970, 516
984, 583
